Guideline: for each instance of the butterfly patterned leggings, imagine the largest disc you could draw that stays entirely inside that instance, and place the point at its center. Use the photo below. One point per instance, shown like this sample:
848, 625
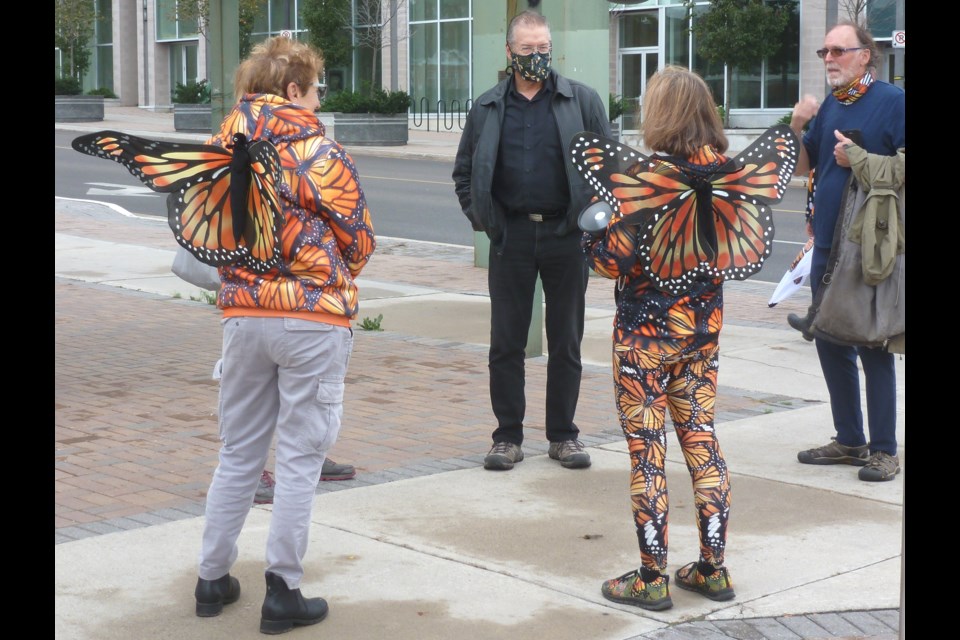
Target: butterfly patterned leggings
646, 384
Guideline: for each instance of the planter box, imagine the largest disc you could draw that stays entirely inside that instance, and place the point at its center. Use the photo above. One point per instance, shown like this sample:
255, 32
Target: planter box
195, 118
371, 129
78, 108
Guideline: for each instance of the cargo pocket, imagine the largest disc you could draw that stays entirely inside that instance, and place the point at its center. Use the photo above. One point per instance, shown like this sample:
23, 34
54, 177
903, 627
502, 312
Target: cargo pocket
330, 412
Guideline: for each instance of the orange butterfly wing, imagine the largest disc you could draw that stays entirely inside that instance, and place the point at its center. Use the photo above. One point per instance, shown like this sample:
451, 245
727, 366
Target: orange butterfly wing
677, 244
199, 210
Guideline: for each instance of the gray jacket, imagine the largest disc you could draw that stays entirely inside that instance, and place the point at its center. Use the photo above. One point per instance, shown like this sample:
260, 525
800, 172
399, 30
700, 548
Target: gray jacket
576, 107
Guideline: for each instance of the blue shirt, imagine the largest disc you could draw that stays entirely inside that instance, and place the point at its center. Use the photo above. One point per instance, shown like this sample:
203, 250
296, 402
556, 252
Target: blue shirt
880, 114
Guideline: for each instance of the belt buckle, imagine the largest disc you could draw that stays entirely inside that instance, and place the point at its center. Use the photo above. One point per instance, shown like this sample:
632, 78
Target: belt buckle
536, 217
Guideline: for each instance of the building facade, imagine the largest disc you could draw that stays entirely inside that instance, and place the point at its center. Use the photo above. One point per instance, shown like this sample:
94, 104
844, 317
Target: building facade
444, 52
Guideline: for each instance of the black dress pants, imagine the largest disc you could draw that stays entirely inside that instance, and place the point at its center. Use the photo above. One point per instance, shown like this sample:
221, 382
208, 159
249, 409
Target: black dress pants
533, 249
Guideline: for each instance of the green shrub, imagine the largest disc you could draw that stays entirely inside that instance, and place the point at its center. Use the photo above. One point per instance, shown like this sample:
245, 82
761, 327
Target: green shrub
102, 91
67, 87
378, 101
616, 107
192, 93
786, 120
372, 324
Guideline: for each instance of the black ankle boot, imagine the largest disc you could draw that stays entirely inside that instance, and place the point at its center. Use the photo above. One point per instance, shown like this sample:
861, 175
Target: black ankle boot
283, 607
211, 595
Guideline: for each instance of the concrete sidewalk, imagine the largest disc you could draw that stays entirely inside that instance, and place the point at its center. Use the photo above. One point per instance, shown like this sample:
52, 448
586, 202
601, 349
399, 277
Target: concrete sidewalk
423, 543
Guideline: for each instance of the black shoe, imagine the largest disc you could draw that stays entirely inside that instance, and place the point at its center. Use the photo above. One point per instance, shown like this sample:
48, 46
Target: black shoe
211, 595
801, 324
284, 608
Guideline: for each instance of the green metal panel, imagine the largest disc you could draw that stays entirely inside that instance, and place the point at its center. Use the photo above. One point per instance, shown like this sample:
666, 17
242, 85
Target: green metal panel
581, 41
223, 56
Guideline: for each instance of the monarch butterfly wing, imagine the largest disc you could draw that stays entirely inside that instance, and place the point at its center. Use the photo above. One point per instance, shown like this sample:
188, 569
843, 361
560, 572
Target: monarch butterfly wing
201, 216
742, 192
764, 167
653, 195
197, 177
163, 166
610, 168
264, 215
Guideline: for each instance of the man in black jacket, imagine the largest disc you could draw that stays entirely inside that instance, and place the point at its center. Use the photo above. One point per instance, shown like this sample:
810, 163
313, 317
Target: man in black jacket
516, 182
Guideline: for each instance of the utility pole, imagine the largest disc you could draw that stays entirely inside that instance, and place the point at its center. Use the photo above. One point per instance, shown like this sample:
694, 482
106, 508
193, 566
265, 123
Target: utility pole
223, 56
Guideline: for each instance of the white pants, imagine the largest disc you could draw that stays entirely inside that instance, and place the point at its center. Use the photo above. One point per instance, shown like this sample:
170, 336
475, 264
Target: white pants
284, 375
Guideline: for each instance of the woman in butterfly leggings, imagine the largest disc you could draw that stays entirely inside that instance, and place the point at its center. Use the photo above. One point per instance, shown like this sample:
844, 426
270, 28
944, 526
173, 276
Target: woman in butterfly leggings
665, 345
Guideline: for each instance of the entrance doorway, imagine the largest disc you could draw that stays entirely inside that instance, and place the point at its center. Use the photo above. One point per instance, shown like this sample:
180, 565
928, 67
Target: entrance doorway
636, 67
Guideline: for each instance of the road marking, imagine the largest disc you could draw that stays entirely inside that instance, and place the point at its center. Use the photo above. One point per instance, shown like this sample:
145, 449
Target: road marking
119, 190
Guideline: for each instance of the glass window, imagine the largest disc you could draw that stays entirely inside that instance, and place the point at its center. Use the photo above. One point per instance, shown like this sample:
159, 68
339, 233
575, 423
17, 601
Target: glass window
639, 29
166, 17
183, 64
677, 34
103, 50
169, 27
745, 87
632, 86
711, 72
424, 73
261, 22
454, 63
282, 15
369, 71
423, 10
453, 9
104, 25
773, 84
782, 70
439, 56
882, 18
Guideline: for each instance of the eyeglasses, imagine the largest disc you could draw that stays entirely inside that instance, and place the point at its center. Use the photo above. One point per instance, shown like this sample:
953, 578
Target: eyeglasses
528, 50
321, 89
836, 52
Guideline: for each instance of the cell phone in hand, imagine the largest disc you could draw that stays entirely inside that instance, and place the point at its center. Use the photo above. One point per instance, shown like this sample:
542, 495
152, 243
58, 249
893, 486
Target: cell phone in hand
855, 136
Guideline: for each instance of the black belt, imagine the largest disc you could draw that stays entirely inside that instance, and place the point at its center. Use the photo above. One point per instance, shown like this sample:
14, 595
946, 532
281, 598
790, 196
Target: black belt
542, 216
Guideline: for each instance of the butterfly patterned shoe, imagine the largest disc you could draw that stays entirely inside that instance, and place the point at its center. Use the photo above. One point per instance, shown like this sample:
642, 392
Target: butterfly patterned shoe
631, 589
716, 586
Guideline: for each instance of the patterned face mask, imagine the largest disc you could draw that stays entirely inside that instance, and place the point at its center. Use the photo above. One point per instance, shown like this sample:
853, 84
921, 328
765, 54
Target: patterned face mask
534, 67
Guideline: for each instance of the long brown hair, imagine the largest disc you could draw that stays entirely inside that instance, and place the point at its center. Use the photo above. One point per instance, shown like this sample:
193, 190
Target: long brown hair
680, 115
276, 62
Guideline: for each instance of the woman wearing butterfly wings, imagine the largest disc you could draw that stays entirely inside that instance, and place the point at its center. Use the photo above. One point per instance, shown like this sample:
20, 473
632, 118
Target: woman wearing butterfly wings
287, 265
683, 220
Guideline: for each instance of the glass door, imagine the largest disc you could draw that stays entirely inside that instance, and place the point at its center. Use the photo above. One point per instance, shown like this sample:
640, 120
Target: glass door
635, 69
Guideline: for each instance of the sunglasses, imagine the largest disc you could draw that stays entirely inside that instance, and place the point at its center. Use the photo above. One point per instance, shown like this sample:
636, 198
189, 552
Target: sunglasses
321, 89
836, 52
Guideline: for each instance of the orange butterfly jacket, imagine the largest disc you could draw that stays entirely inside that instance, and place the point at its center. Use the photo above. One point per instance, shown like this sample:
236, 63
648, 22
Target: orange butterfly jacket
326, 237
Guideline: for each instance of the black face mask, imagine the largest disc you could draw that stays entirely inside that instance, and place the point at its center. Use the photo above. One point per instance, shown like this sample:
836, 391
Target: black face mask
534, 67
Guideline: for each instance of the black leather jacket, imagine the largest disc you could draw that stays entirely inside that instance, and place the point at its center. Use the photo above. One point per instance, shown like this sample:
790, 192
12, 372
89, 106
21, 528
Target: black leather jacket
576, 107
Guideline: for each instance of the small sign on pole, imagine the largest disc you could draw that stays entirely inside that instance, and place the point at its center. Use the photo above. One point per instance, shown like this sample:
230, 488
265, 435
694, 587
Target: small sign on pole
899, 39
286, 33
